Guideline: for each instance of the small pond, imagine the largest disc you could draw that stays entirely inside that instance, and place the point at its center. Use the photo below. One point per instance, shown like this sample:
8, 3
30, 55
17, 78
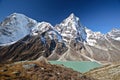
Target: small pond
80, 66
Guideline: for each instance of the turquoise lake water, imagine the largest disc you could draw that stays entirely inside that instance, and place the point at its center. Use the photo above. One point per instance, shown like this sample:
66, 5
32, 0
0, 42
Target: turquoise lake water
80, 66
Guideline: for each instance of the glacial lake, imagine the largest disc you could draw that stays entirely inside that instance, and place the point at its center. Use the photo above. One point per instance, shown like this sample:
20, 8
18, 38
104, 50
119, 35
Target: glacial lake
80, 66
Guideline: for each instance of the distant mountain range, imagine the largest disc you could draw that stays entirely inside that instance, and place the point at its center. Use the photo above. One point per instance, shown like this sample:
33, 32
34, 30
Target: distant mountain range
22, 38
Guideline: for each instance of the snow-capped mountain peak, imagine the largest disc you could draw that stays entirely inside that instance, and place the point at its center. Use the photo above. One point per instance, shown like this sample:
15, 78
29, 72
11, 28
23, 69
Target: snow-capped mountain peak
15, 27
71, 28
17, 18
72, 21
72, 18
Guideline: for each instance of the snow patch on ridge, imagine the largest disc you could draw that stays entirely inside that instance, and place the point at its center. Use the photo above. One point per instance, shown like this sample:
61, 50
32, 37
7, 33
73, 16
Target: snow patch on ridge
41, 28
93, 36
114, 34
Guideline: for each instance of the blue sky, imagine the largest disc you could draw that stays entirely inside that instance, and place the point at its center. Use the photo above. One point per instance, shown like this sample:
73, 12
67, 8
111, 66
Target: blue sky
98, 15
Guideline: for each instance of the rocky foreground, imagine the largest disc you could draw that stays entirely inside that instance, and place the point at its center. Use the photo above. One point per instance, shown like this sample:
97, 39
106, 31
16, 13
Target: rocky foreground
38, 70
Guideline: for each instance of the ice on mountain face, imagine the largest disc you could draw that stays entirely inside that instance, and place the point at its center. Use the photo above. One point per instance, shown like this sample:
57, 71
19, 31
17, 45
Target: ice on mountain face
114, 34
52, 35
48, 29
41, 28
93, 36
55, 35
15, 27
70, 28
42, 39
98, 38
90, 37
118, 38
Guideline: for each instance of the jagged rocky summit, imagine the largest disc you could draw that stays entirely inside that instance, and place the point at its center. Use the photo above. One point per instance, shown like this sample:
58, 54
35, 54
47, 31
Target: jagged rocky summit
22, 38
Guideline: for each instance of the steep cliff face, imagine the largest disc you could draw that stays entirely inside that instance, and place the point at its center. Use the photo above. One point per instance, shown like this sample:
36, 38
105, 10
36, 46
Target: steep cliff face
22, 38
